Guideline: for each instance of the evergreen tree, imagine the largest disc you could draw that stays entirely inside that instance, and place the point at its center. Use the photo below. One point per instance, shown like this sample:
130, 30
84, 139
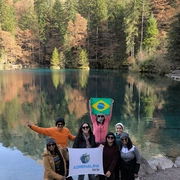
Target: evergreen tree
174, 41
115, 24
70, 9
84, 7
83, 58
7, 17
58, 23
98, 28
62, 60
150, 40
29, 20
42, 8
131, 23
55, 59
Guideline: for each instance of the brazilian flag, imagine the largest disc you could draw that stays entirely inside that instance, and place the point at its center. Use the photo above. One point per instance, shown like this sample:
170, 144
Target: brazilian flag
100, 105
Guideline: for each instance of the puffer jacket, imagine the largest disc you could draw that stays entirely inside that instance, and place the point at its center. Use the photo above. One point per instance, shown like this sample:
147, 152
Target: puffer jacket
49, 166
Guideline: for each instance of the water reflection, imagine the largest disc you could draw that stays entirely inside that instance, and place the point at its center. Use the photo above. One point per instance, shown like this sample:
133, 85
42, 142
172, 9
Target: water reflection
147, 106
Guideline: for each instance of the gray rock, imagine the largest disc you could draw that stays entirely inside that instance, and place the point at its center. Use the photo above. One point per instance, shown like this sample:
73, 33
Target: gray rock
160, 162
145, 168
177, 162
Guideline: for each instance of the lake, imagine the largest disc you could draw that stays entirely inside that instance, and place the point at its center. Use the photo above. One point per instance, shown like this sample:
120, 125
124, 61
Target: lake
148, 106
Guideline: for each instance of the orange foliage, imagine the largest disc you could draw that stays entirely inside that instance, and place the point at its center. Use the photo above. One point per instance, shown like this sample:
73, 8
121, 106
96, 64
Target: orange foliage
78, 103
8, 43
77, 31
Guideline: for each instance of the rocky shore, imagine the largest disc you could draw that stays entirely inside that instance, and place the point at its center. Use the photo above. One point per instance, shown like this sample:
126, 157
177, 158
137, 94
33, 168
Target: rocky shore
159, 168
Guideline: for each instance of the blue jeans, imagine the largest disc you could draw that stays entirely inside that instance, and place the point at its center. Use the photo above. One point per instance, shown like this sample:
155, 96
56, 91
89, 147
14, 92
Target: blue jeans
90, 176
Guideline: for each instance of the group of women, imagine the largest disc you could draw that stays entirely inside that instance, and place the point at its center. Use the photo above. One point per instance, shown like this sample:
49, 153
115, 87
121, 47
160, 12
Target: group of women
119, 155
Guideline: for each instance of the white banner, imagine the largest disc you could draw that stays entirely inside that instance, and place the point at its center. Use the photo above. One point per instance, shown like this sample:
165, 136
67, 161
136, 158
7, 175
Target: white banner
85, 161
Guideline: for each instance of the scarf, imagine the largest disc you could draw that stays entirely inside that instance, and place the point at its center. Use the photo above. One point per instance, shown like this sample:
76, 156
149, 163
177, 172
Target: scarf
88, 145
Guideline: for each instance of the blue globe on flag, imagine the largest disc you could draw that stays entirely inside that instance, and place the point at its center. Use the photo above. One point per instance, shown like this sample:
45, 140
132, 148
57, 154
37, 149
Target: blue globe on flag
85, 158
100, 106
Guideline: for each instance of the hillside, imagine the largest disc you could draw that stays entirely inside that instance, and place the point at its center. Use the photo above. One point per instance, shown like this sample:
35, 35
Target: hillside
28, 44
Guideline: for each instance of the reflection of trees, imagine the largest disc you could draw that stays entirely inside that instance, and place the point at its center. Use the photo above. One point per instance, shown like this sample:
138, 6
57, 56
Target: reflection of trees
139, 99
76, 101
129, 106
148, 99
83, 77
55, 78
172, 99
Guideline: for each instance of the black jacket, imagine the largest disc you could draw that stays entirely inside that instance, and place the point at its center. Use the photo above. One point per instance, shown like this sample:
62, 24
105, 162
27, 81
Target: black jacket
80, 142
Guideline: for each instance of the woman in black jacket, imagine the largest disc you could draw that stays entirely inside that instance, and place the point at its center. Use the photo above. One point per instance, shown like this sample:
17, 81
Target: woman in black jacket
85, 139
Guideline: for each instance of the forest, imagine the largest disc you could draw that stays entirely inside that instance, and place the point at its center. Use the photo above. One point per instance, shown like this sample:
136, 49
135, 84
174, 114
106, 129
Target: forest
138, 35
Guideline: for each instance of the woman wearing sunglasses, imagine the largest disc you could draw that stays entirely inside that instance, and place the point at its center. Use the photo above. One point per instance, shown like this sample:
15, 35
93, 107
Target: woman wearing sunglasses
129, 158
100, 124
85, 139
110, 157
54, 160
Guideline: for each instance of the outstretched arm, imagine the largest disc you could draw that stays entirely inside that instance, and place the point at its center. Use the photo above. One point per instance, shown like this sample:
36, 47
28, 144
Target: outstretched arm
43, 131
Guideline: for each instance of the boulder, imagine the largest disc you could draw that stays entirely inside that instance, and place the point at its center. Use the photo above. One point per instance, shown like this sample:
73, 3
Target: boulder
177, 161
145, 168
160, 162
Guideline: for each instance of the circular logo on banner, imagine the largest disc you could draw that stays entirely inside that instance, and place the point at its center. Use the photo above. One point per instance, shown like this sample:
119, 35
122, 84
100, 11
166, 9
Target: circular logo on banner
85, 158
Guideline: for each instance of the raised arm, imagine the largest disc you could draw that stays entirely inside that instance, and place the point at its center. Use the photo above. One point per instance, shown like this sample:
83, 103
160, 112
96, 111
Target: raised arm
92, 116
108, 117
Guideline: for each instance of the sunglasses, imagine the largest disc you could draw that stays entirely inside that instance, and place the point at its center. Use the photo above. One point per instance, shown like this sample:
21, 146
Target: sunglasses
100, 116
110, 137
125, 139
85, 127
49, 145
60, 124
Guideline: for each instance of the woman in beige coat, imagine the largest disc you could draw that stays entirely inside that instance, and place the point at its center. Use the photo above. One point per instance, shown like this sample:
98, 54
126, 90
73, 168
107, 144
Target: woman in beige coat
54, 160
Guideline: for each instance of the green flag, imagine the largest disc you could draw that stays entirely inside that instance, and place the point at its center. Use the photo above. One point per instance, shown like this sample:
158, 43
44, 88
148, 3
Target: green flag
101, 105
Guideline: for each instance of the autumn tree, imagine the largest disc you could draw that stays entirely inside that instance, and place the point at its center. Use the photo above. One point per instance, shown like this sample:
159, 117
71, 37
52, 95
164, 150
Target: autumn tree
77, 34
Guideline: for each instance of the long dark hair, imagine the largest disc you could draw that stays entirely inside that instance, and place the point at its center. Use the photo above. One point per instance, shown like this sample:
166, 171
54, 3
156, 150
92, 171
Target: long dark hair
112, 134
80, 132
129, 144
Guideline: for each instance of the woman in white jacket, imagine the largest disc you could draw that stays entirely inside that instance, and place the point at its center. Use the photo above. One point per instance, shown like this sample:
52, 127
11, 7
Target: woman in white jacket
129, 158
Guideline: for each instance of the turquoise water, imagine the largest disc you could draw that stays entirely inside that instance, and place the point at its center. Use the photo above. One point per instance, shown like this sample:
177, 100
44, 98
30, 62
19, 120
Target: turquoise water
148, 106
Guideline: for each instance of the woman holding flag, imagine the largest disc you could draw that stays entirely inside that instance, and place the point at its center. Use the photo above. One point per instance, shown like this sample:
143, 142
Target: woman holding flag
100, 114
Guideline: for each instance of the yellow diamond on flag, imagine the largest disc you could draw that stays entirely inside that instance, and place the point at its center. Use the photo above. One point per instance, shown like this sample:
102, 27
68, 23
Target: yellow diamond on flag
100, 106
